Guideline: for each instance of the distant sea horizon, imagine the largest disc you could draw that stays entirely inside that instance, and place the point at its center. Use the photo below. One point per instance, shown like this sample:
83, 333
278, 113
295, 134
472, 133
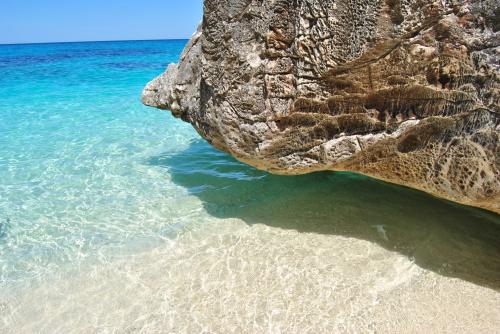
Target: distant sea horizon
98, 41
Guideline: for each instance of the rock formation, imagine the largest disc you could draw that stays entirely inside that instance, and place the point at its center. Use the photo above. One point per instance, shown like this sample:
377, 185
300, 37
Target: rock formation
406, 91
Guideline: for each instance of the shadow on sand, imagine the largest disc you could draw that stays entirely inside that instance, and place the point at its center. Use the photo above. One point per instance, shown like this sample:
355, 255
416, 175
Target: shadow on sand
441, 236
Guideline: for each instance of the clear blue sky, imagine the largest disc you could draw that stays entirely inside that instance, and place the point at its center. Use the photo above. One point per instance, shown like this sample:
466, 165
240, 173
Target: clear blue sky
35, 21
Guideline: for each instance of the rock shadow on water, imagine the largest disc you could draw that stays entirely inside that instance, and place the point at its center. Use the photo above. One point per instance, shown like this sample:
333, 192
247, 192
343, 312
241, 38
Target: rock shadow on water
447, 238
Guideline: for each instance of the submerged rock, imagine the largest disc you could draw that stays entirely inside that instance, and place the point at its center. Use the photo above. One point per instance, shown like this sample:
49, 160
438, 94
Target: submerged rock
406, 91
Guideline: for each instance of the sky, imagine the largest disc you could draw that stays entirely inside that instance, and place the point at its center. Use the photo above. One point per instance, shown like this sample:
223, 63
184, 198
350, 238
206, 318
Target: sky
39, 21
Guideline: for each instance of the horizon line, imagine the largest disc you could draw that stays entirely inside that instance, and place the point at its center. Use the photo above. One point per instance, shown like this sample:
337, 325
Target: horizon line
98, 41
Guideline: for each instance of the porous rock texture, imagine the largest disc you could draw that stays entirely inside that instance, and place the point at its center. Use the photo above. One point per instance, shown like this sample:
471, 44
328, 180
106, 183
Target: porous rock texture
406, 91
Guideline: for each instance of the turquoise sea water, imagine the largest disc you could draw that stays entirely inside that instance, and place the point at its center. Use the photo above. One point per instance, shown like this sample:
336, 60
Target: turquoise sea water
88, 173
74, 146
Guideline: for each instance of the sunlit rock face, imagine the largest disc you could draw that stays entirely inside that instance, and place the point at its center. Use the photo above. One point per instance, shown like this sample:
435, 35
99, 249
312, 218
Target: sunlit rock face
406, 91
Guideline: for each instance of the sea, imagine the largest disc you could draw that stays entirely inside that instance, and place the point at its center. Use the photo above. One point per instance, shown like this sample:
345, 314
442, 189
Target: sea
119, 218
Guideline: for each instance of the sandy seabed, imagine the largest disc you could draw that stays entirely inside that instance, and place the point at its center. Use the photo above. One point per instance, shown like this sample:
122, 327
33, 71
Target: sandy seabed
228, 277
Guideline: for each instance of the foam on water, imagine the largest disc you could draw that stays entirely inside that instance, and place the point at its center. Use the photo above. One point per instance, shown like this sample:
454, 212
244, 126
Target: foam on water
117, 218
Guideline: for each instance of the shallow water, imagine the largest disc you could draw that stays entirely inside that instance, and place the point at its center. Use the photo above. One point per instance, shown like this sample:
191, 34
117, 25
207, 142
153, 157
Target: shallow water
116, 218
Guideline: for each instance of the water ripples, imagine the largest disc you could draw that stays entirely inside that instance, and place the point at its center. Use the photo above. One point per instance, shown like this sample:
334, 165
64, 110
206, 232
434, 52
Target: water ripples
121, 214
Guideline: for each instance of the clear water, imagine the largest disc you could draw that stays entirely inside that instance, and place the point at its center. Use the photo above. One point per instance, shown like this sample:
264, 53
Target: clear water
118, 218
74, 147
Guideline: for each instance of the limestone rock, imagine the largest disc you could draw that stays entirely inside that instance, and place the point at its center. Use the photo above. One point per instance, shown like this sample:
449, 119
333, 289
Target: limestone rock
402, 90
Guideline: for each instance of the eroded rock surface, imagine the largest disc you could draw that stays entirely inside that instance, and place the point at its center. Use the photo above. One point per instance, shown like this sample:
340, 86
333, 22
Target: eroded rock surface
402, 90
